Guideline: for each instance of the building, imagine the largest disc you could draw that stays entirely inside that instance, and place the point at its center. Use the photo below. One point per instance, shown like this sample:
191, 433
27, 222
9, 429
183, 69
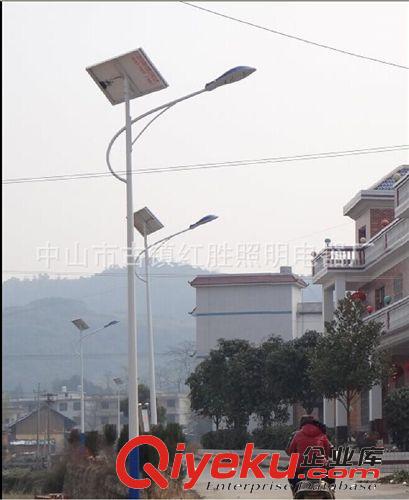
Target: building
99, 409
14, 409
177, 406
378, 264
44, 425
251, 307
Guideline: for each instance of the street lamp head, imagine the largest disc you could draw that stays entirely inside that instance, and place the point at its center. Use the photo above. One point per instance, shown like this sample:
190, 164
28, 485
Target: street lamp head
231, 76
203, 220
118, 381
114, 322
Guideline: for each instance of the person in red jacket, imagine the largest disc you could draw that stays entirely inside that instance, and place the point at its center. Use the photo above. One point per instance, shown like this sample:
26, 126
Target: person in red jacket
310, 435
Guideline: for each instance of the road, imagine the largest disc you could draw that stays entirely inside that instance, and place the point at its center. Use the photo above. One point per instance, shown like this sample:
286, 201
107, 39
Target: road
207, 487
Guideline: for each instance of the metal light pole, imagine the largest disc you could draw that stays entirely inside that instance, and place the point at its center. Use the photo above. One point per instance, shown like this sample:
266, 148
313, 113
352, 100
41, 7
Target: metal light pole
147, 223
82, 388
82, 326
121, 79
152, 378
118, 381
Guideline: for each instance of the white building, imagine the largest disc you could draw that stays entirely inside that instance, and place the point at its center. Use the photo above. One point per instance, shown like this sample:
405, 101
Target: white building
177, 406
251, 307
377, 264
99, 410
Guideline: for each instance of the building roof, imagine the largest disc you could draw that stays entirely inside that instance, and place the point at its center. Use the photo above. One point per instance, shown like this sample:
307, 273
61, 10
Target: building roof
247, 279
380, 195
388, 182
28, 415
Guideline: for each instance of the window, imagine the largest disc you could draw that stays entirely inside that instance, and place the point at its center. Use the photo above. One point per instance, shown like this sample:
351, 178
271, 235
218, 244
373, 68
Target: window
171, 418
76, 406
397, 288
171, 403
104, 420
361, 233
105, 405
62, 407
379, 297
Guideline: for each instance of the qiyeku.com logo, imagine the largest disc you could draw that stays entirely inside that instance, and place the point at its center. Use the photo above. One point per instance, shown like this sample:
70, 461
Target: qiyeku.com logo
222, 466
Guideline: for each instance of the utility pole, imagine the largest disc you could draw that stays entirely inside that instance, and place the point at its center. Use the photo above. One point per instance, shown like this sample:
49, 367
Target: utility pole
49, 399
38, 422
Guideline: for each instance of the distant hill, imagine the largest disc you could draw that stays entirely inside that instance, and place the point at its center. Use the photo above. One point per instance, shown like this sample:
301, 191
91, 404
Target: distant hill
39, 341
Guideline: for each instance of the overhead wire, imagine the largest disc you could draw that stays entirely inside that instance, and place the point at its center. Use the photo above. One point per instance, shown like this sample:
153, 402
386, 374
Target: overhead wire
295, 37
215, 165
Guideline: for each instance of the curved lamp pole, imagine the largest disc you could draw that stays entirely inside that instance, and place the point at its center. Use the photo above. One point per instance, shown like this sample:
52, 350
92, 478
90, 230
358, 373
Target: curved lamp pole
122, 79
82, 326
200, 222
146, 223
118, 382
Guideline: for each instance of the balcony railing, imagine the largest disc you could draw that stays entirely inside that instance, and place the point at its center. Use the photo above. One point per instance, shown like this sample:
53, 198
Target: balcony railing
402, 196
360, 256
339, 257
394, 317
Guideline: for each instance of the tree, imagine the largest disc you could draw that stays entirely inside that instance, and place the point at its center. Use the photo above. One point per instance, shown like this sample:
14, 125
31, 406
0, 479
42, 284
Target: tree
206, 397
74, 437
181, 360
123, 437
267, 393
241, 381
292, 363
143, 397
109, 435
161, 415
396, 410
347, 359
223, 385
93, 442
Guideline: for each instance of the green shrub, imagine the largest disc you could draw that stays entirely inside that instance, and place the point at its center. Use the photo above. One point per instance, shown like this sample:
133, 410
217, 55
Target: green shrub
396, 410
109, 434
225, 439
54, 480
74, 437
365, 439
171, 434
93, 442
23, 481
274, 437
397, 477
123, 437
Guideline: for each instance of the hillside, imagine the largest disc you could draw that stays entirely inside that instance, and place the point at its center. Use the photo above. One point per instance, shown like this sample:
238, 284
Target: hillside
40, 343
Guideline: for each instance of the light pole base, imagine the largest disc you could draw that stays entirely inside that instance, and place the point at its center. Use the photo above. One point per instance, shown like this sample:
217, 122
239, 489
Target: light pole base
133, 461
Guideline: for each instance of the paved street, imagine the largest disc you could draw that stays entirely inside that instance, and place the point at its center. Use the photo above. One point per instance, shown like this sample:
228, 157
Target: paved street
257, 488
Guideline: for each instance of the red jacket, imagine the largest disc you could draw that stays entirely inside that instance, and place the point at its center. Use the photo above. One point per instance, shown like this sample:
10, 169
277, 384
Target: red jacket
309, 435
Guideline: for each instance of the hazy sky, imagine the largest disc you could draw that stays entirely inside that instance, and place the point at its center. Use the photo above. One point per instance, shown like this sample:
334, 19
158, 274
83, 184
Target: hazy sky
302, 99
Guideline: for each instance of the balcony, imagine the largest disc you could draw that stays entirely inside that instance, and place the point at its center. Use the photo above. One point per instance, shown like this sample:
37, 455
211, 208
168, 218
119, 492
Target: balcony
355, 259
402, 197
395, 319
